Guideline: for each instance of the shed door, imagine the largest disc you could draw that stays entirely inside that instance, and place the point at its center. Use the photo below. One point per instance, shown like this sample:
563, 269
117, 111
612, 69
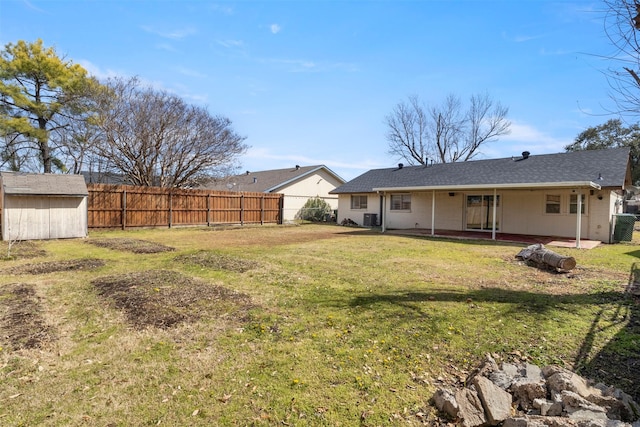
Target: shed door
30, 217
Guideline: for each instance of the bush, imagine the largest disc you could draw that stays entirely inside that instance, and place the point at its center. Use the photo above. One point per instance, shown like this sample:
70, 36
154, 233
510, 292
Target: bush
315, 209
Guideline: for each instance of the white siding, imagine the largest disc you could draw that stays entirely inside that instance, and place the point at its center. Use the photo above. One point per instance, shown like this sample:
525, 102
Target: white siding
297, 193
520, 212
41, 217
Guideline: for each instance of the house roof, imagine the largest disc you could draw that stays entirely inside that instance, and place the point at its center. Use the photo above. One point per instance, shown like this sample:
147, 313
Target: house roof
268, 181
31, 184
588, 168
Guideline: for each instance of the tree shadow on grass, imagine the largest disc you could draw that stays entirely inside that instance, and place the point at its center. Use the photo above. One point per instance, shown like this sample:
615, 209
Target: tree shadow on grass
617, 363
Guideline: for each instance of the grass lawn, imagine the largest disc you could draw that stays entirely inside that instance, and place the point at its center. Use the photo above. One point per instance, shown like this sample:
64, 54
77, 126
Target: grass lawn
298, 325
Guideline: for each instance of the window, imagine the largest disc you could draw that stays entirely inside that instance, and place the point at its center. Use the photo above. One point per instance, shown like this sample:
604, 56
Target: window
552, 204
400, 202
573, 204
358, 202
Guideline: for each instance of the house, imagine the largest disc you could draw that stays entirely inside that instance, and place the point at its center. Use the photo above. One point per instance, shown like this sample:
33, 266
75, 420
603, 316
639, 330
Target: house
529, 194
42, 206
298, 184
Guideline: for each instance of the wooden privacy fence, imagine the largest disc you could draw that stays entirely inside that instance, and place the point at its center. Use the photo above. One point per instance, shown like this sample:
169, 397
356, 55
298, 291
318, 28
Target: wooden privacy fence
123, 206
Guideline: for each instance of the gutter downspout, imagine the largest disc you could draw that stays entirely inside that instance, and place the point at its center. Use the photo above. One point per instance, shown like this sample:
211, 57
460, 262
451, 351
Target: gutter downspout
578, 219
433, 213
495, 206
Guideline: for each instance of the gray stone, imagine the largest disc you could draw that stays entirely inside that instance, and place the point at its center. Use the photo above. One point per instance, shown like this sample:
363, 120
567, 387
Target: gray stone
501, 379
511, 370
526, 391
573, 402
533, 372
522, 422
569, 381
446, 402
470, 407
496, 402
548, 407
585, 414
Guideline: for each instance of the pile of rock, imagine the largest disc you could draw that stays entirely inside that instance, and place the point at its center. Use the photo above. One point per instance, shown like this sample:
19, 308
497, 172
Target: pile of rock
527, 396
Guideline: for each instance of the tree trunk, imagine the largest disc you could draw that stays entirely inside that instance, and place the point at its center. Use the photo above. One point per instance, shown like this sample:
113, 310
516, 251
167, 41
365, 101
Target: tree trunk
542, 257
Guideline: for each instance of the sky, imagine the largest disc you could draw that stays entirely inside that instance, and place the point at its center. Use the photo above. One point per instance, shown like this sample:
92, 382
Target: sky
311, 82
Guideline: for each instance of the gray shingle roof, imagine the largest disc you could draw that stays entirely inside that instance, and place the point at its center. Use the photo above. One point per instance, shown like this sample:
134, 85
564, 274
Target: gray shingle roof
266, 181
607, 168
31, 184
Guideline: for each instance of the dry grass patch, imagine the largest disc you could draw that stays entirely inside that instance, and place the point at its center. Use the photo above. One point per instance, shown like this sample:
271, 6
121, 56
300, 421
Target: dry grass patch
23, 326
21, 250
215, 261
163, 299
56, 266
131, 245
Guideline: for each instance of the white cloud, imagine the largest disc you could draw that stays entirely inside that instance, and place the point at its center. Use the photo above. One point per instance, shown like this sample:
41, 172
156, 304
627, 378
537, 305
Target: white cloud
172, 34
524, 137
275, 28
190, 73
224, 9
98, 73
230, 43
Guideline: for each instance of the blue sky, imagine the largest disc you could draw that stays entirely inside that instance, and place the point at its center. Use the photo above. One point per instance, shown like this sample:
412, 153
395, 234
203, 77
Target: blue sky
310, 82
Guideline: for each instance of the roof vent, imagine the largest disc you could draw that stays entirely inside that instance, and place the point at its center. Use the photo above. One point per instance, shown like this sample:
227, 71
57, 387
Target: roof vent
525, 154
248, 172
255, 179
400, 165
297, 167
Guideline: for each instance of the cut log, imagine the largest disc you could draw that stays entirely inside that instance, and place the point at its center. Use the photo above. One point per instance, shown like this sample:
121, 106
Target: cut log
541, 256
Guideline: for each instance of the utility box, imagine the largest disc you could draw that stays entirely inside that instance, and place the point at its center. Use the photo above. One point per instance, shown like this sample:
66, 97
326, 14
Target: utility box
370, 220
623, 231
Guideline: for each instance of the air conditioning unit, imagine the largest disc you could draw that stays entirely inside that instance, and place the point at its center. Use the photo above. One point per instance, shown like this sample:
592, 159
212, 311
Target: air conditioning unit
370, 220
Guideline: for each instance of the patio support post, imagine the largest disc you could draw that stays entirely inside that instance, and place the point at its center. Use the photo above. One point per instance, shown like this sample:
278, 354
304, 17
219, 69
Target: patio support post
433, 213
495, 207
384, 212
578, 219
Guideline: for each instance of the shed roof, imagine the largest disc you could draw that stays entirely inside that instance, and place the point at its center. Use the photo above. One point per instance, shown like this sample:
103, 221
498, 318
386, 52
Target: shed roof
595, 168
268, 181
30, 184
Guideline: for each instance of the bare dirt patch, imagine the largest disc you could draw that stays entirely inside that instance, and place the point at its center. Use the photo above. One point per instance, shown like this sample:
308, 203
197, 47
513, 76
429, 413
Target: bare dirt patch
214, 261
162, 298
131, 245
56, 266
21, 320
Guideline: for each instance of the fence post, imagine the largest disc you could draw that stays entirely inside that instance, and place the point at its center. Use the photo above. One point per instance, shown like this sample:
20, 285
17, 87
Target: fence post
241, 209
170, 207
124, 209
208, 209
262, 210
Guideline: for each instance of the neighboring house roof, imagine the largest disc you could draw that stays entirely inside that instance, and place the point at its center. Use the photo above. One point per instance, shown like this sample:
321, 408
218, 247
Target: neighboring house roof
92, 177
269, 181
587, 168
30, 184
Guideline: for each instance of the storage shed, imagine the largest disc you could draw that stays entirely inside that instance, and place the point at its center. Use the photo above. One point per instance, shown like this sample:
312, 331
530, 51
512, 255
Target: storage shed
42, 206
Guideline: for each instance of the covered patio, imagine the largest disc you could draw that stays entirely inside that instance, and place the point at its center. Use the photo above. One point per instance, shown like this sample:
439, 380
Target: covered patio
502, 237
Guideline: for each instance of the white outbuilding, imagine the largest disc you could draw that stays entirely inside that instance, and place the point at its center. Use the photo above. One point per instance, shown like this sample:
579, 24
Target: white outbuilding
42, 206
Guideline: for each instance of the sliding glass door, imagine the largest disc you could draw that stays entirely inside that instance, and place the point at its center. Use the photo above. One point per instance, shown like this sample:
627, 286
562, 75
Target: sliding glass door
479, 212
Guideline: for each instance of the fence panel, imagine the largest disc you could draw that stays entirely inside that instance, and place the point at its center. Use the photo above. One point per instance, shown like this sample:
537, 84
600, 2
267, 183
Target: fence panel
122, 206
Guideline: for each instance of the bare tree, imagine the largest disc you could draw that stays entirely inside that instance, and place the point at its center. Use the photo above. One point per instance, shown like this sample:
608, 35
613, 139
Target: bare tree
444, 133
154, 138
408, 131
622, 26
